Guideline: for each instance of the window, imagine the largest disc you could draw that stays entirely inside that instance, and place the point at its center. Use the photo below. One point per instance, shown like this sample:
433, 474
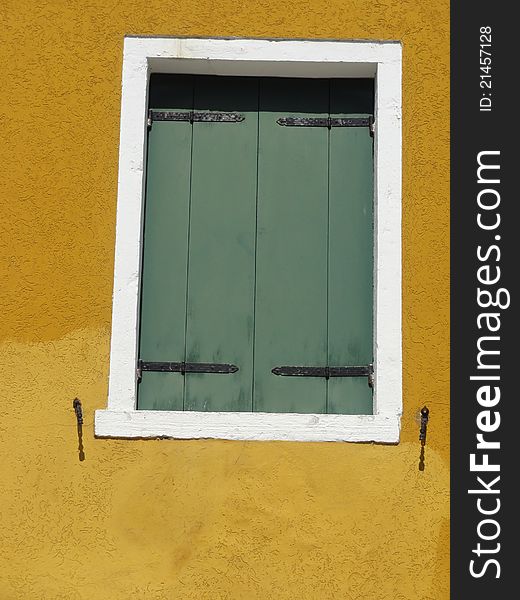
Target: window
264, 241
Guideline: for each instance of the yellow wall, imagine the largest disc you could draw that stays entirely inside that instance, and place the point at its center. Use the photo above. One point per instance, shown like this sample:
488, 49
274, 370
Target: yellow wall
197, 519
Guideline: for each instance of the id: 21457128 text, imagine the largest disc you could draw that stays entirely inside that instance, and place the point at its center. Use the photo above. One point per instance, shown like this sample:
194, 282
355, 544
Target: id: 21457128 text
486, 81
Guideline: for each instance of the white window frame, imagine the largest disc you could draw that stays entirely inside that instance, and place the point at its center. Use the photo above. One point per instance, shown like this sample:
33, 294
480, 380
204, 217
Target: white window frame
285, 58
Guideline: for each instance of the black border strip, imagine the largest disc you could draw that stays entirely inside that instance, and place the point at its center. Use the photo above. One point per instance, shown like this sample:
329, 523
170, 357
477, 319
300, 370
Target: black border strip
483, 132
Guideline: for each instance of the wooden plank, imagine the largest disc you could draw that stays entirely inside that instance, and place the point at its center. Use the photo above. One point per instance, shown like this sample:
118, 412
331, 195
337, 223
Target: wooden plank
163, 293
222, 245
291, 282
351, 247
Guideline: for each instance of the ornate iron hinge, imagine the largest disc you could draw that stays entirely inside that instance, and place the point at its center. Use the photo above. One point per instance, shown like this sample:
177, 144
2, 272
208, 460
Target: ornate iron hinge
194, 117
327, 122
327, 372
184, 367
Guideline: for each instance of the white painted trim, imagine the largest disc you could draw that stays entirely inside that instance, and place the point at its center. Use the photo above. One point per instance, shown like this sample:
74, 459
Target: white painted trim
288, 58
247, 426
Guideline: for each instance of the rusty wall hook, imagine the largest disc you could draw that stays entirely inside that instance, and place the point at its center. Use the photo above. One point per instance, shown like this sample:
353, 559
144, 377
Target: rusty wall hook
76, 405
425, 415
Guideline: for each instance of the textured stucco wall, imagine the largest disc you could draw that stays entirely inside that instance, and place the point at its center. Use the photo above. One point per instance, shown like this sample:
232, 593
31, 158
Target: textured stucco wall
197, 519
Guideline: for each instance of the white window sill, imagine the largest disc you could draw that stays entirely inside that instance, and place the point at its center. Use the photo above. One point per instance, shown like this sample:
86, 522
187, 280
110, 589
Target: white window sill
247, 426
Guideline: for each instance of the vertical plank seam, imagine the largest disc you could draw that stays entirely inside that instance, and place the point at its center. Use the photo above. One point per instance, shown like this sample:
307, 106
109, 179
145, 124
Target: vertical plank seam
141, 275
327, 381
253, 371
373, 254
192, 125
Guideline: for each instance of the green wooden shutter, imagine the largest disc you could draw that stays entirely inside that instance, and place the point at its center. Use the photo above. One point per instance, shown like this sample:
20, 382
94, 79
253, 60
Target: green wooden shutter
350, 247
221, 246
165, 247
291, 290
258, 244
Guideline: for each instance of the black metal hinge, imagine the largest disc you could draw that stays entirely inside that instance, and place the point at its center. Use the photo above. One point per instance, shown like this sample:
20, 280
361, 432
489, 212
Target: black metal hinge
184, 367
327, 122
327, 372
194, 117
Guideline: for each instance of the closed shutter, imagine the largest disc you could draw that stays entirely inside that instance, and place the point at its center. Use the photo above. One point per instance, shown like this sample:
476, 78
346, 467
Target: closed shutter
258, 245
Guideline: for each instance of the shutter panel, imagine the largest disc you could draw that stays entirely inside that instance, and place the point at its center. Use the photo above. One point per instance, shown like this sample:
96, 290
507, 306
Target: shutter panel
222, 245
163, 291
258, 245
291, 290
350, 335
